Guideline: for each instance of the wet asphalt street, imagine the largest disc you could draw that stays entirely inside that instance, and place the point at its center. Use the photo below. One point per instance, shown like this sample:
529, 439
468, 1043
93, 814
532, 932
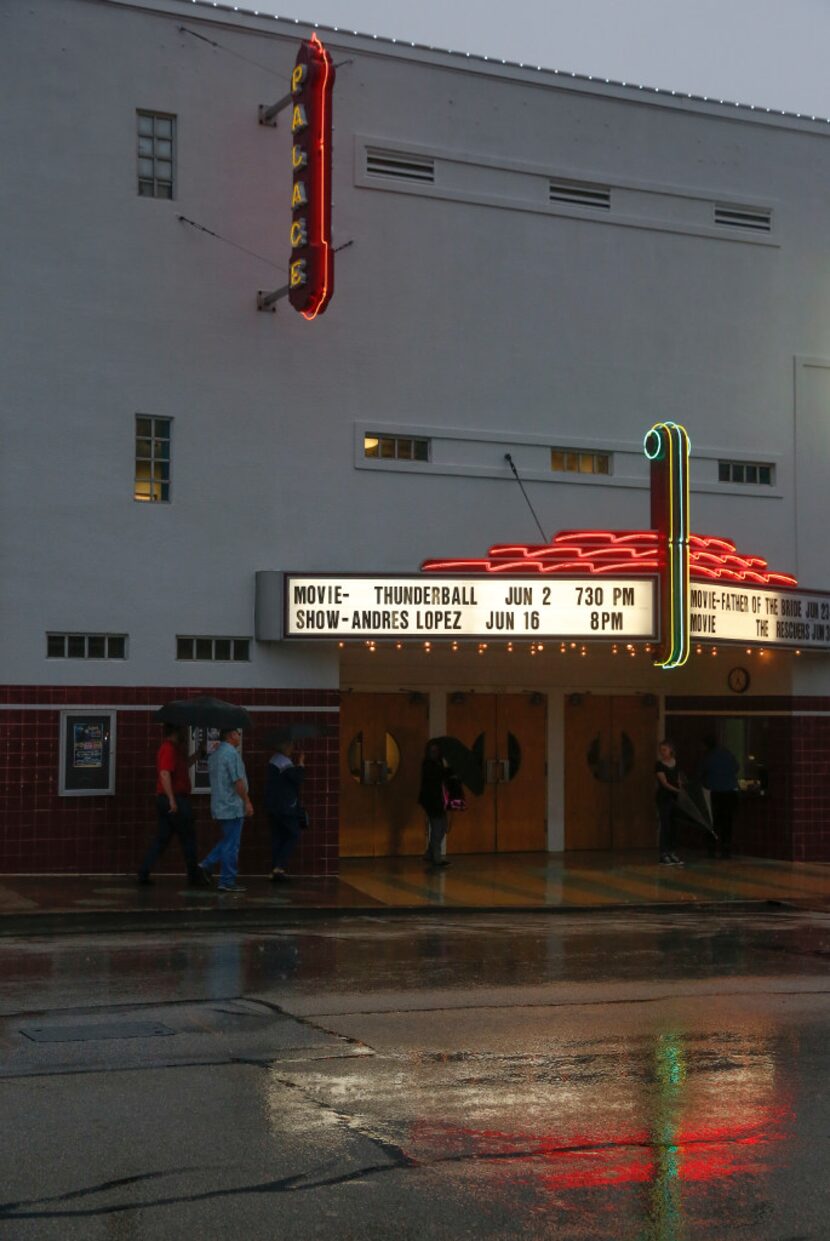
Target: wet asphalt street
652, 1077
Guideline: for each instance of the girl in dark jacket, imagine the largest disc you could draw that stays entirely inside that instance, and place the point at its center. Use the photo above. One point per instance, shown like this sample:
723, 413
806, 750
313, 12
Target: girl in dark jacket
282, 802
434, 775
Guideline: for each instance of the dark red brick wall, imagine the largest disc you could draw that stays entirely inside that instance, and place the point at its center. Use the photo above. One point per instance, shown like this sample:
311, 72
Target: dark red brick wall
811, 788
41, 832
793, 820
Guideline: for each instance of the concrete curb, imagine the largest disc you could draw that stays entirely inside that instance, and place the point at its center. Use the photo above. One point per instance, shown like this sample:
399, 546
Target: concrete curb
67, 922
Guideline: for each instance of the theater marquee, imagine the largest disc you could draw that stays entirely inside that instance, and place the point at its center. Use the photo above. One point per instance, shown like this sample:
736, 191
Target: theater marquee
585, 609
481, 608
665, 585
760, 617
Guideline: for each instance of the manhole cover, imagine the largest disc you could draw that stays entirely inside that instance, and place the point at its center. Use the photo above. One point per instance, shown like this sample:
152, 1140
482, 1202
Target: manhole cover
101, 1030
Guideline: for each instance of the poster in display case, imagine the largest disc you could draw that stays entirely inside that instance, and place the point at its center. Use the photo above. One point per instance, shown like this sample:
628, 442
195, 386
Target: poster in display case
87, 754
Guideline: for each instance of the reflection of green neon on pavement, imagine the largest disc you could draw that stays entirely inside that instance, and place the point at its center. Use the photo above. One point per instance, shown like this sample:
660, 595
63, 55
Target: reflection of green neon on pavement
665, 1219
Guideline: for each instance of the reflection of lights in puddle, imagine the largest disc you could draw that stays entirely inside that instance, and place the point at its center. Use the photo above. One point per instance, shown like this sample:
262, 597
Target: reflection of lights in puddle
698, 1121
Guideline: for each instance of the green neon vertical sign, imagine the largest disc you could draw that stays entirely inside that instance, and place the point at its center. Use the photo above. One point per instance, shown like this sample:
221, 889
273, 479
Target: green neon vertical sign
666, 446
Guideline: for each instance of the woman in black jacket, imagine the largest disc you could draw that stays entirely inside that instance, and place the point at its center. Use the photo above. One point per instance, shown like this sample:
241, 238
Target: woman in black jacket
286, 815
434, 775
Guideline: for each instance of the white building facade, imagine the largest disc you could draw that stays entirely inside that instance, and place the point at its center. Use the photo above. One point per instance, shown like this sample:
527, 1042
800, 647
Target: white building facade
529, 264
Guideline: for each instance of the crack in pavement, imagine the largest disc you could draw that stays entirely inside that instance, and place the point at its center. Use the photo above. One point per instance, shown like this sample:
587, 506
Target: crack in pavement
576, 1003
299, 1184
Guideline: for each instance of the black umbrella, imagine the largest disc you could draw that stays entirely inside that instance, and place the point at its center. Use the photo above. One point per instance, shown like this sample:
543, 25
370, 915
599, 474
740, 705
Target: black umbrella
692, 803
299, 731
203, 712
463, 762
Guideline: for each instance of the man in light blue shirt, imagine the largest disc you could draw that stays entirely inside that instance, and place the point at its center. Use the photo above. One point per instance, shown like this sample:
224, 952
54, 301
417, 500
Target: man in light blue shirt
230, 805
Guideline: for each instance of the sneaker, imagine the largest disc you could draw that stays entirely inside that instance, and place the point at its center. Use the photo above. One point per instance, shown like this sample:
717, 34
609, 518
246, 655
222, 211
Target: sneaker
675, 860
665, 860
204, 876
279, 876
233, 887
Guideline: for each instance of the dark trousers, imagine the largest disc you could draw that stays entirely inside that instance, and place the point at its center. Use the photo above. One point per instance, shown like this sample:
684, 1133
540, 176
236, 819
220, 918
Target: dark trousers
285, 836
723, 812
180, 824
667, 812
437, 827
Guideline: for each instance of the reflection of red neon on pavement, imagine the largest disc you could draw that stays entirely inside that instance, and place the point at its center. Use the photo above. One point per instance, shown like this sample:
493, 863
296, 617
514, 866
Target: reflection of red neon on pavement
597, 552
702, 1153
697, 1129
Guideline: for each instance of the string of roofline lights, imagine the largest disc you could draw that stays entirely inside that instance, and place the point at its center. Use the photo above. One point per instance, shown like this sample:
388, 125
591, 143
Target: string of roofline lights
759, 110
512, 646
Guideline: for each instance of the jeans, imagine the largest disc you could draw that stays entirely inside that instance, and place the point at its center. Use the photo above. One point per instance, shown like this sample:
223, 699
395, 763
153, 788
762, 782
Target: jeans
285, 836
437, 826
179, 824
226, 852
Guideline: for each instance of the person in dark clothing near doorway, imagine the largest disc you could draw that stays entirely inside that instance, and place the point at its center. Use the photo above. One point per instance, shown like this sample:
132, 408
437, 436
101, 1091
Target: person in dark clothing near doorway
669, 781
173, 806
434, 775
286, 815
719, 774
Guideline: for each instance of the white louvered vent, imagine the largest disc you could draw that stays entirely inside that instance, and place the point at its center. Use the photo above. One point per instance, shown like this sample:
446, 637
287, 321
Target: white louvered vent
759, 219
399, 166
580, 194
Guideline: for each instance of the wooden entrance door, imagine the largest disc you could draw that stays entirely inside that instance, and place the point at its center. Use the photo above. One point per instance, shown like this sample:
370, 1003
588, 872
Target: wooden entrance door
383, 738
610, 744
508, 732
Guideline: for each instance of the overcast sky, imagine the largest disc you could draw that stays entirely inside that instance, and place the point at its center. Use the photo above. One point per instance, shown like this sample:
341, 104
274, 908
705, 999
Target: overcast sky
767, 52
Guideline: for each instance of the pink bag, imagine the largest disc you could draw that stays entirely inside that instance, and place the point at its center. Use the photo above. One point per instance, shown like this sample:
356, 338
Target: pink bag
453, 795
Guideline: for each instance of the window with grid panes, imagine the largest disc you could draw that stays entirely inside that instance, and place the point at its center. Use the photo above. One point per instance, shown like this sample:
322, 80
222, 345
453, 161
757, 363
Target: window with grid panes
396, 447
577, 461
152, 458
236, 650
756, 473
156, 135
86, 646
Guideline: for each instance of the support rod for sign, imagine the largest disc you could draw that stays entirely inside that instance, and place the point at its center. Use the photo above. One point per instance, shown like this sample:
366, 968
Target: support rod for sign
512, 465
268, 301
268, 115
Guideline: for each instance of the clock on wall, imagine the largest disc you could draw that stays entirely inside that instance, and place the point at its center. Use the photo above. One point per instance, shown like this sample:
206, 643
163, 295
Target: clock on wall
738, 680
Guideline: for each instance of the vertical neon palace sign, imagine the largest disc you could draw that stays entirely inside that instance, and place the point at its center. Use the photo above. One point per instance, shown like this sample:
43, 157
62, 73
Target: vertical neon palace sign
311, 267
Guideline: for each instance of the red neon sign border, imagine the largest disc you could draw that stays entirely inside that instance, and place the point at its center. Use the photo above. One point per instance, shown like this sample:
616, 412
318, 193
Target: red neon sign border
320, 142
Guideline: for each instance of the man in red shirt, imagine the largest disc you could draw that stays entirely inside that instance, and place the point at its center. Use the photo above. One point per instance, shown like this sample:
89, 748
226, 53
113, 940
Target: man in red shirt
175, 812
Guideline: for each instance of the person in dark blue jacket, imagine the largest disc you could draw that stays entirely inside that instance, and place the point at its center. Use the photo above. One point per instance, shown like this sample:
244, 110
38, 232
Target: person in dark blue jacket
719, 774
286, 815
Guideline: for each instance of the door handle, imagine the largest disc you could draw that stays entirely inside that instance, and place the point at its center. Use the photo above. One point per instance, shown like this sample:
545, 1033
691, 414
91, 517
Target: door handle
383, 771
492, 771
504, 763
368, 764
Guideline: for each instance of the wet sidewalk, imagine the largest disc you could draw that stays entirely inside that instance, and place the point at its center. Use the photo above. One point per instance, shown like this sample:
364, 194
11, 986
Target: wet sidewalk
509, 882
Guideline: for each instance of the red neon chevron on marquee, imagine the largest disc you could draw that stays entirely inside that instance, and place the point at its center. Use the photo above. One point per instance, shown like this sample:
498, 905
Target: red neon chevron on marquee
617, 552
